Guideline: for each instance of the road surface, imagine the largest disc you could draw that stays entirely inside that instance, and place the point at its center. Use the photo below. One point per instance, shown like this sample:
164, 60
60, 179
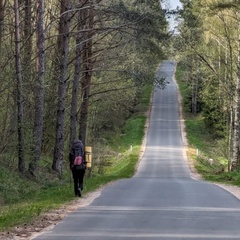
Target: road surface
161, 201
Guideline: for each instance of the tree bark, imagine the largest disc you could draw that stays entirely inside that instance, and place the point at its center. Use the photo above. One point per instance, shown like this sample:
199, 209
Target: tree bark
1, 21
21, 160
87, 73
63, 49
77, 71
230, 130
235, 159
194, 93
39, 103
27, 30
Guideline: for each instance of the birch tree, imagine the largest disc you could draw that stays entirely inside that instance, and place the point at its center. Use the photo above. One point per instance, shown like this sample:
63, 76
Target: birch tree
235, 159
221, 89
233, 13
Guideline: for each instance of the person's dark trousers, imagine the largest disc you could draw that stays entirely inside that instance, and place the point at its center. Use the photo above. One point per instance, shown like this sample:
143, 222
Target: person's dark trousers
78, 176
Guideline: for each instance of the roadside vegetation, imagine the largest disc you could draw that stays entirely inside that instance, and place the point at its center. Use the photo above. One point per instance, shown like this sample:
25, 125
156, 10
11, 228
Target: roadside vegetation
206, 47
24, 198
205, 149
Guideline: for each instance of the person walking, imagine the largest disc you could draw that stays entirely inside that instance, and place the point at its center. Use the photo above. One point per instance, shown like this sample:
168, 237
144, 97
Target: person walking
77, 165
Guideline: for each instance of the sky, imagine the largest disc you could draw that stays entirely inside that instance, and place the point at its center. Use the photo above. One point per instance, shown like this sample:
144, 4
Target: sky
171, 4
174, 3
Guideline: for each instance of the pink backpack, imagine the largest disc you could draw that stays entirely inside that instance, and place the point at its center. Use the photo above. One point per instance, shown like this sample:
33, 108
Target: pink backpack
78, 161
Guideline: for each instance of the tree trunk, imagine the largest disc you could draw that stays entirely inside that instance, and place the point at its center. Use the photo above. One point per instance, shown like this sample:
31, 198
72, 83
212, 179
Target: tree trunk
21, 160
87, 73
39, 103
194, 93
235, 159
230, 138
27, 30
63, 49
1, 21
77, 70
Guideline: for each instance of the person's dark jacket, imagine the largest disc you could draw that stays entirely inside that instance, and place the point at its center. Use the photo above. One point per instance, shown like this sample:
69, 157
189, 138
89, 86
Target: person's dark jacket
76, 146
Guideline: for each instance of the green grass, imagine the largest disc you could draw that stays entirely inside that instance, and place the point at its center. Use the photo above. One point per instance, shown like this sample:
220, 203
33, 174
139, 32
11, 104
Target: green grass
197, 133
133, 131
208, 148
23, 199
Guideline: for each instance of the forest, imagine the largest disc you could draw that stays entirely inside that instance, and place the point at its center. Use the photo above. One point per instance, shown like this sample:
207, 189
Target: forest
72, 69
208, 49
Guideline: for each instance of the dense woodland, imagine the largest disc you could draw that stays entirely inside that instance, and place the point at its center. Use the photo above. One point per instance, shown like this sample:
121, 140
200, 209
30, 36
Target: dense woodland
72, 69
77, 68
208, 49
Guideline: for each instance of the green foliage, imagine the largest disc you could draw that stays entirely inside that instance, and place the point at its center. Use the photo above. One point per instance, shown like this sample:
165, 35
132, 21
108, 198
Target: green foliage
232, 178
133, 130
129, 41
14, 190
209, 102
208, 35
214, 117
211, 161
184, 88
33, 204
117, 89
197, 133
216, 172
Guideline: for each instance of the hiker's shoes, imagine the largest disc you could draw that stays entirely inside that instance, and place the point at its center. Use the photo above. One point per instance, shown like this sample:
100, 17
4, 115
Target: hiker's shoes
79, 191
79, 194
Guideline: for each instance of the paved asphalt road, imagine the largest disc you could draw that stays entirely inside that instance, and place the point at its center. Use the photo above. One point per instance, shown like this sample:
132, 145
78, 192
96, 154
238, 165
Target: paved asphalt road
161, 201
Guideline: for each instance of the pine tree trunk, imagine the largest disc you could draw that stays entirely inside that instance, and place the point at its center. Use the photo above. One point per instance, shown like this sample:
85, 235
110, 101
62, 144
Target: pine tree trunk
87, 74
39, 103
21, 160
77, 71
27, 30
63, 49
1, 21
